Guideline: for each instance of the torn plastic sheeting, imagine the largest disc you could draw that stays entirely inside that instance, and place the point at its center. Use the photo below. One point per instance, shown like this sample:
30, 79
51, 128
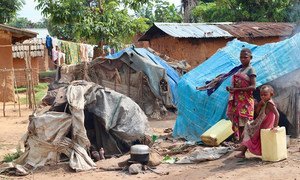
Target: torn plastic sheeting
154, 67
116, 119
204, 154
117, 112
47, 140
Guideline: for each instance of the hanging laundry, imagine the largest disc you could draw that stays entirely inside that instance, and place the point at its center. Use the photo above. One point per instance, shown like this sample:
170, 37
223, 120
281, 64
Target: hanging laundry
83, 52
76, 53
71, 51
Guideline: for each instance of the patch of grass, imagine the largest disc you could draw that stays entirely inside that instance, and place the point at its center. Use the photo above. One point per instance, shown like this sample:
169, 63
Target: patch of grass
40, 91
20, 89
47, 74
12, 156
41, 87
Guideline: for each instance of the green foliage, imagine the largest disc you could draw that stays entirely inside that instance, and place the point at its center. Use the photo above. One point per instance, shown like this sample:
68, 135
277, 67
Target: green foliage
240, 10
8, 9
22, 22
164, 12
107, 21
40, 91
47, 74
93, 21
160, 11
12, 156
294, 12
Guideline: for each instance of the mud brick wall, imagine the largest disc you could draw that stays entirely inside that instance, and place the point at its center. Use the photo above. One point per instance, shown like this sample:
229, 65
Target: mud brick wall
43, 61
19, 66
196, 51
6, 65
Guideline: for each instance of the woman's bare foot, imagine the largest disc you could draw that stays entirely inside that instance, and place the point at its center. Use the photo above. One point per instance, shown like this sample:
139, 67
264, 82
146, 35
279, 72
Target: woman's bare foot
240, 155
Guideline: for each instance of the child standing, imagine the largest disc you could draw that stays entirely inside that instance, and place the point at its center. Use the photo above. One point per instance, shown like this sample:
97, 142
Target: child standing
240, 107
268, 117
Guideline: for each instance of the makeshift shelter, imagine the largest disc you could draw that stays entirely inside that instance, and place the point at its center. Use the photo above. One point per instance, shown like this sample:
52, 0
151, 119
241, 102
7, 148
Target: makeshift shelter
196, 42
135, 72
287, 100
197, 111
82, 114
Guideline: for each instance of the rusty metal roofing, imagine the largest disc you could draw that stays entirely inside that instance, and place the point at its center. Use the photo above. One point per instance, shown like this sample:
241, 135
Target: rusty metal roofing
258, 29
18, 34
185, 30
214, 30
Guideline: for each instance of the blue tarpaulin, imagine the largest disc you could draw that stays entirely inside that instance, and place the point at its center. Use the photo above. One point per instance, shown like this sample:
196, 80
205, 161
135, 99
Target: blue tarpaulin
197, 111
172, 75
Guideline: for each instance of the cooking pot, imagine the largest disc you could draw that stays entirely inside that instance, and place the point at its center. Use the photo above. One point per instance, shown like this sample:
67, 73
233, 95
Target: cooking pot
139, 153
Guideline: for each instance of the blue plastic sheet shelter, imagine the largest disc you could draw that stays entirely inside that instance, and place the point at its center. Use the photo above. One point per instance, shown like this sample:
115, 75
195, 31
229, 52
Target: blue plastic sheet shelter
154, 67
197, 111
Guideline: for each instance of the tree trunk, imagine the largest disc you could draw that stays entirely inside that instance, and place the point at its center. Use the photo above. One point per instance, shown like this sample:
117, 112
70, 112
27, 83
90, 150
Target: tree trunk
188, 5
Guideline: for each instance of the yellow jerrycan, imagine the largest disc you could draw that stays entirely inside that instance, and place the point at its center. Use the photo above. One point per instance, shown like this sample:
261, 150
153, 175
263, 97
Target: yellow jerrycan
273, 144
215, 135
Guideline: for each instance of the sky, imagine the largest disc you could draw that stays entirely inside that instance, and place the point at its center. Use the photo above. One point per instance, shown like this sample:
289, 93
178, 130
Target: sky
30, 12
34, 15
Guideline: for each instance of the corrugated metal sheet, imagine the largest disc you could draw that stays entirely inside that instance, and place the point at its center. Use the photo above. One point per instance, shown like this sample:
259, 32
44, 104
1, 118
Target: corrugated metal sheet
214, 30
192, 30
185, 30
258, 29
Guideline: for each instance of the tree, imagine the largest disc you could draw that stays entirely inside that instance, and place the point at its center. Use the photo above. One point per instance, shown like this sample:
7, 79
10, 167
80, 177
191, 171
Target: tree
108, 21
187, 6
8, 9
92, 21
164, 12
240, 10
160, 11
294, 12
22, 22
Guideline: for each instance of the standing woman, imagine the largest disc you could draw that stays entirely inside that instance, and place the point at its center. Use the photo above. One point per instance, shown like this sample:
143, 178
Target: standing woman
240, 107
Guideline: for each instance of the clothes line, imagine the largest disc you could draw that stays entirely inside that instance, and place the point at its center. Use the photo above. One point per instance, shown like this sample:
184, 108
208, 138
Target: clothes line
74, 53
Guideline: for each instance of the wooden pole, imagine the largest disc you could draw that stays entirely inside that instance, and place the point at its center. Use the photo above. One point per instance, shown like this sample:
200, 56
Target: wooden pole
31, 80
297, 115
128, 75
16, 87
28, 80
33, 93
4, 93
142, 89
140, 86
26, 100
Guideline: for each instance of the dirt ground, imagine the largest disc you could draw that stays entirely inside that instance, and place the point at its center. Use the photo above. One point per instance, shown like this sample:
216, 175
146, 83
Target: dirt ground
14, 127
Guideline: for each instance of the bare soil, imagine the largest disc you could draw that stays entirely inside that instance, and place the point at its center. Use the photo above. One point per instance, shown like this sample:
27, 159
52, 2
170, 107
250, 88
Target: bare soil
14, 127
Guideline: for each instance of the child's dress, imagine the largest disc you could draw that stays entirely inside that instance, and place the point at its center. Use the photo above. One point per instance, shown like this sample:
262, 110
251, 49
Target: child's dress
252, 129
240, 107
